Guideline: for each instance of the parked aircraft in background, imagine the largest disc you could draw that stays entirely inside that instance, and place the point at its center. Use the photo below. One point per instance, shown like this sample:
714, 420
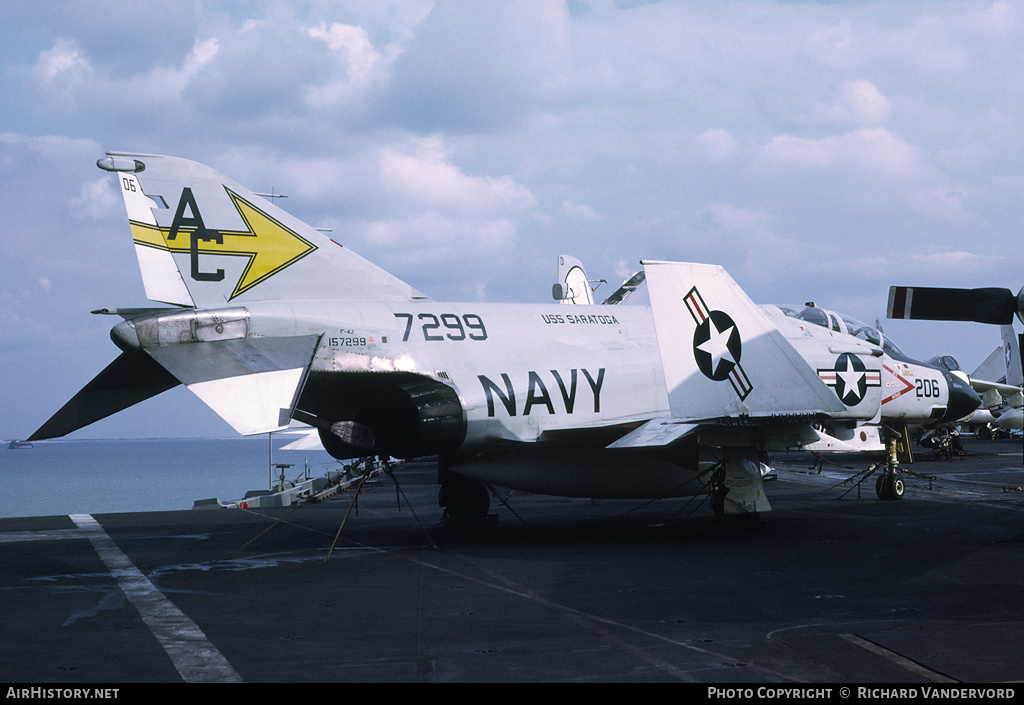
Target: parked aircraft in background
1000, 382
902, 379
573, 285
271, 321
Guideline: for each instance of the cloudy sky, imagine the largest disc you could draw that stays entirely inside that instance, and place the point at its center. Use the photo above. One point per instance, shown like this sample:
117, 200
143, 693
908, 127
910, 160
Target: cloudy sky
818, 150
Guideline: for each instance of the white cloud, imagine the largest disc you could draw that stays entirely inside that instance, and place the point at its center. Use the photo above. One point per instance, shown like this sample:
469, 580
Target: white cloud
997, 19
718, 144
872, 151
437, 237
360, 65
835, 44
856, 102
426, 176
957, 258
477, 67
63, 60
96, 200
406, 202
58, 75
580, 211
353, 42
411, 175
943, 203
440, 213
733, 219
176, 79
752, 241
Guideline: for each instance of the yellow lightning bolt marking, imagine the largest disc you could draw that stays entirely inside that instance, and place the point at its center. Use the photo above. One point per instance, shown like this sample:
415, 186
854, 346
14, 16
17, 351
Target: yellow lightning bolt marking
269, 244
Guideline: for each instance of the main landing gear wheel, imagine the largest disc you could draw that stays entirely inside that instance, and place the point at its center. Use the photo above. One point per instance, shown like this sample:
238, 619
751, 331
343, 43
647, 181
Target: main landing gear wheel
463, 498
737, 496
890, 485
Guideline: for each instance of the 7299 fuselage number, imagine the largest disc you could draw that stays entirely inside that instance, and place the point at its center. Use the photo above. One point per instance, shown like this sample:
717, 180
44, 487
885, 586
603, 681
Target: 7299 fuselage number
447, 326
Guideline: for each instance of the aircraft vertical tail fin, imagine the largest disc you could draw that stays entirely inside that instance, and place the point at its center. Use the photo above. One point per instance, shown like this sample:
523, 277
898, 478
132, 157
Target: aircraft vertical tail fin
721, 354
573, 286
203, 240
1011, 355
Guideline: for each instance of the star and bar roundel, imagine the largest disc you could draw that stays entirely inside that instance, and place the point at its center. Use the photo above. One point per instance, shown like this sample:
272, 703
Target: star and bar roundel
717, 345
850, 378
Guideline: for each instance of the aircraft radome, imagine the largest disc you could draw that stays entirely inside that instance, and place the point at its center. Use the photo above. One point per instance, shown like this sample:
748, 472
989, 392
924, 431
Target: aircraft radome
271, 321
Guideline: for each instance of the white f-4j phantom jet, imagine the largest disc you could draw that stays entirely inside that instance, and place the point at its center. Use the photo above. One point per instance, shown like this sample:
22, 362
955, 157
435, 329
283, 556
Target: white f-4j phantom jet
273, 322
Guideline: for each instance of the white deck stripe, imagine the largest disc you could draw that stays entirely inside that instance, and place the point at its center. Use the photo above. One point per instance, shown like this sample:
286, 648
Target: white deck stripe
43, 535
898, 659
196, 659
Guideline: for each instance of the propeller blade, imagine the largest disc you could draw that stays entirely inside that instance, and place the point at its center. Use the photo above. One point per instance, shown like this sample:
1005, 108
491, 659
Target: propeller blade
986, 305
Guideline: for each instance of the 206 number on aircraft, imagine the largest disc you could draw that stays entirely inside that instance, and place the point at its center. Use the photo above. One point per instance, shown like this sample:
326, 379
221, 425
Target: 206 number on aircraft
927, 388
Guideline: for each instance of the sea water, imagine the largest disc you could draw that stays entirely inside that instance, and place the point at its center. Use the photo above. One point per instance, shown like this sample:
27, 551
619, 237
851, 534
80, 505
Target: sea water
105, 476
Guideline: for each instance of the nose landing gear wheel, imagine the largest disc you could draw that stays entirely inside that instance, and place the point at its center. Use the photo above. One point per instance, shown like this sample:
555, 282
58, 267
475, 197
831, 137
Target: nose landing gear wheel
889, 484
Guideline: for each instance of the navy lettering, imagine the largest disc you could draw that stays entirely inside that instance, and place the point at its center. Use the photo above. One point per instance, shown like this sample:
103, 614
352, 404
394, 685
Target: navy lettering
537, 392
532, 398
596, 387
509, 401
568, 397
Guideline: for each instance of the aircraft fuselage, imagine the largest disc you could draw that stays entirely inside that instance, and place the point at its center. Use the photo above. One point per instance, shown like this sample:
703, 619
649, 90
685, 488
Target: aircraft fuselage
276, 322
512, 375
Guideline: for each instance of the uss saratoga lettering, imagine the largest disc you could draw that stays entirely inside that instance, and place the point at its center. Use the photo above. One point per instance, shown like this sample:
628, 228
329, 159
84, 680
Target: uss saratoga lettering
578, 319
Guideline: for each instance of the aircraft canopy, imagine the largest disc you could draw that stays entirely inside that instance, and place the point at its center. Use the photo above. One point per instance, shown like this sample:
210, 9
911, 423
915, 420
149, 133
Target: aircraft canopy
842, 324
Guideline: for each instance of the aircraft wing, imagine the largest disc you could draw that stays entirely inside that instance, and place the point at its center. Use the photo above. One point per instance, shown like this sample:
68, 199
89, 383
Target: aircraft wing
983, 386
993, 366
1005, 360
656, 433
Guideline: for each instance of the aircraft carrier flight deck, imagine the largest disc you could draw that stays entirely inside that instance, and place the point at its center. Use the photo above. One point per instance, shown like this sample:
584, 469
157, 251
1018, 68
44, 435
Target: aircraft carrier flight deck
836, 586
